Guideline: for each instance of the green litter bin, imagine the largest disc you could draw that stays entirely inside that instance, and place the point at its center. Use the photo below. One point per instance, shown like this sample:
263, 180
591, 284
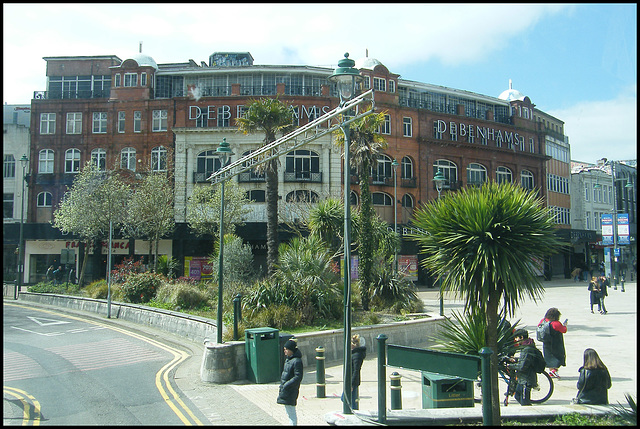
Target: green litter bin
262, 349
440, 391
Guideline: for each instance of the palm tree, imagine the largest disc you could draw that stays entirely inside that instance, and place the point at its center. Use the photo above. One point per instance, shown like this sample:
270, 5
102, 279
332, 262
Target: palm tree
270, 116
482, 242
365, 147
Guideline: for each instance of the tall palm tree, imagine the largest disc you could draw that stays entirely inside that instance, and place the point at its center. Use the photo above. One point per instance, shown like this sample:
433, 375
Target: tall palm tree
483, 242
366, 145
272, 117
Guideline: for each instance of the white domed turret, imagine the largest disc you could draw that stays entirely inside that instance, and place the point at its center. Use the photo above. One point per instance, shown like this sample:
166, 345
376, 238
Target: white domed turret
142, 60
511, 94
367, 63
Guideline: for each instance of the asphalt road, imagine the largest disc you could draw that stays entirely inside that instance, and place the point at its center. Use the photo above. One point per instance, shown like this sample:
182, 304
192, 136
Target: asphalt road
60, 369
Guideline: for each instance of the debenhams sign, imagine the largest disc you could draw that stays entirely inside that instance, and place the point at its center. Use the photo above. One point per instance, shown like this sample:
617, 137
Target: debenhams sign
224, 112
499, 136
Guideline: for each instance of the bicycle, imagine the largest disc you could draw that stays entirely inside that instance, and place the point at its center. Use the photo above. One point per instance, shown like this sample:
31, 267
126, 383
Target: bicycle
539, 393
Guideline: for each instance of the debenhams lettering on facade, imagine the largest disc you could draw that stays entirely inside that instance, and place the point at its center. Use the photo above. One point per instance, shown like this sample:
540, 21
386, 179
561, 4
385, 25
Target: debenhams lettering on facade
500, 137
224, 112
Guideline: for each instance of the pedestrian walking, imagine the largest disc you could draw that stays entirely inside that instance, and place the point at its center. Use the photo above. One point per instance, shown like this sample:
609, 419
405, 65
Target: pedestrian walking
604, 285
290, 380
57, 275
594, 293
358, 354
553, 349
594, 380
49, 275
72, 276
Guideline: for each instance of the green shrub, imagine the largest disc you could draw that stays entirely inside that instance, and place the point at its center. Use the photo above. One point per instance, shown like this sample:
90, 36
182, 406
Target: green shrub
61, 289
99, 289
183, 295
276, 316
142, 287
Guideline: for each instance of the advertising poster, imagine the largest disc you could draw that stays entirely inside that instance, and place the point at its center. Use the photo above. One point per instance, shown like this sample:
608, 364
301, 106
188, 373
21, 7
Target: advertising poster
408, 265
607, 229
623, 228
198, 267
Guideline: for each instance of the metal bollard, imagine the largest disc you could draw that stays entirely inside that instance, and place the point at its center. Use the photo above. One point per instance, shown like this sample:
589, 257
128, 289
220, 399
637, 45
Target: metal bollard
237, 315
382, 378
396, 391
622, 284
320, 381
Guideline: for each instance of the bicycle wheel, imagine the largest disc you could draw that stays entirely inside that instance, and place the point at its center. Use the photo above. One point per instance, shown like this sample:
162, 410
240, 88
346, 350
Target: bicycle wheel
543, 390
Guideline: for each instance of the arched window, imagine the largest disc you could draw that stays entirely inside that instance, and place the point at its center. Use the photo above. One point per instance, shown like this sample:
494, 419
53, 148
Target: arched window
252, 175
302, 196
503, 175
383, 206
406, 168
302, 165
476, 174
159, 159
381, 199
407, 208
44, 199
353, 198
407, 201
383, 172
449, 170
128, 158
45, 161
72, 161
526, 180
207, 163
99, 158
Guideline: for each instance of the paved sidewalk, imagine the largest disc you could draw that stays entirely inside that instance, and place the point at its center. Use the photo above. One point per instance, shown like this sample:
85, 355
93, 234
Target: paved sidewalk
613, 336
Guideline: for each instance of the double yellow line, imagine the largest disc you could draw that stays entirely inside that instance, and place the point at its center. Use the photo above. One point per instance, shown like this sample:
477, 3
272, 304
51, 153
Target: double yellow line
28, 403
171, 398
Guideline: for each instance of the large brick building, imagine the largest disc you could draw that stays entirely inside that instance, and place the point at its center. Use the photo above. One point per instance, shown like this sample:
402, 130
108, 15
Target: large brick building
135, 113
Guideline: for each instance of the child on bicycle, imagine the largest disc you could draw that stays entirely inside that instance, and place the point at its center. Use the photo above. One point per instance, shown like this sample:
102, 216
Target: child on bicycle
525, 366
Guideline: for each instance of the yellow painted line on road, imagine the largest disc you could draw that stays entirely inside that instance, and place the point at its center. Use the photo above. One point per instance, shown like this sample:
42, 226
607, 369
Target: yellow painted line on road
162, 375
26, 405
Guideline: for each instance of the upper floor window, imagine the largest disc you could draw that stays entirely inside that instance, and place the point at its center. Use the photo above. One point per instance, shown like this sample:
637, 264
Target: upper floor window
406, 168
379, 84
99, 158
9, 166
7, 206
72, 161
392, 86
407, 128
302, 164
128, 158
74, 123
586, 192
526, 180
130, 79
382, 172
503, 175
116, 82
385, 127
99, 122
44, 199
121, 121
159, 120
47, 123
448, 169
159, 159
256, 196
137, 121
45, 161
143, 79
476, 174
208, 162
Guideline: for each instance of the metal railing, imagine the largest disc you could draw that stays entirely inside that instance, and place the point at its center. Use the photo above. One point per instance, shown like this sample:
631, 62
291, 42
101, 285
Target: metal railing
303, 176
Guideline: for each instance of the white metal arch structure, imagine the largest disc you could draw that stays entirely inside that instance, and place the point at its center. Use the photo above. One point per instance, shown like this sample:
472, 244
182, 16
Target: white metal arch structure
307, 133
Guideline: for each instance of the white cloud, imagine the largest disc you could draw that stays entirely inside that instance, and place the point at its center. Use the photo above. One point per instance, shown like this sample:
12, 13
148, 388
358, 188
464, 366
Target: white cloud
598, 129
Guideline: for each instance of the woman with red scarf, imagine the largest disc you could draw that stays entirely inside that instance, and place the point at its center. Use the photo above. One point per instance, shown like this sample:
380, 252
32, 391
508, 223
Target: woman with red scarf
553, 349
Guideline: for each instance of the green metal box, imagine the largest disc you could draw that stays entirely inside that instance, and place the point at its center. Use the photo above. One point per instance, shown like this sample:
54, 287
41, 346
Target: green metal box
262, 349
440, 391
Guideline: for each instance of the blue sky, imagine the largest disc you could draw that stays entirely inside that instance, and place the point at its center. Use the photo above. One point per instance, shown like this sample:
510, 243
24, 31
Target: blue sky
577, 62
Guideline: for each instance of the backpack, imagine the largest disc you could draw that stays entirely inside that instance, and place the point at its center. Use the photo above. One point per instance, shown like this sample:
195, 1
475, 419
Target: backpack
543, 332
539, 363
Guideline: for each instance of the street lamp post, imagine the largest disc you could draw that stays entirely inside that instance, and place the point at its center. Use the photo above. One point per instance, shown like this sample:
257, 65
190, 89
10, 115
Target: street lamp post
346, 77
224, 153
395, 164
614, 262
24, 161
439, 180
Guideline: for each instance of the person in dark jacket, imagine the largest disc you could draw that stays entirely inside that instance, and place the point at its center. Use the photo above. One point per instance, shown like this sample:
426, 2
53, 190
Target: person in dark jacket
594, 380
604, 285
553, 350
524, 366
290, 380
358, 354
594, 293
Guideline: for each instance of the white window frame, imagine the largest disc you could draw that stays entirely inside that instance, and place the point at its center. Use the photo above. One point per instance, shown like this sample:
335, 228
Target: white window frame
74, 123
503, 174
9, 171
72, 160
99, 123
130, 80
44, 199
392, 86
128, 158
45, 161
143, 79
385, 127
159, 121
407, 127
379, 84
116, 81
476, 170
526, 180
122, 116
406, 168
137, 121
47, 123
99, 158
159, 159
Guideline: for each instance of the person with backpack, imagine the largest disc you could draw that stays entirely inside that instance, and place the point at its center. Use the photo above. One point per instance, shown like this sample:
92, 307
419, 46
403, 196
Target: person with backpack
553, 340
529, 363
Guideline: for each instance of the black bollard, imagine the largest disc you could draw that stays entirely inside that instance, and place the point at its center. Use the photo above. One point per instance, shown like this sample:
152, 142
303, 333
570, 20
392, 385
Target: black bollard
320, 379
237, 315
396, 391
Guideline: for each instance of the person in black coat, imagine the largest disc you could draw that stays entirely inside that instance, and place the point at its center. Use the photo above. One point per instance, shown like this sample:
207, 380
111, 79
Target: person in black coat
594, 293
594, 380
290, 380
358, 354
